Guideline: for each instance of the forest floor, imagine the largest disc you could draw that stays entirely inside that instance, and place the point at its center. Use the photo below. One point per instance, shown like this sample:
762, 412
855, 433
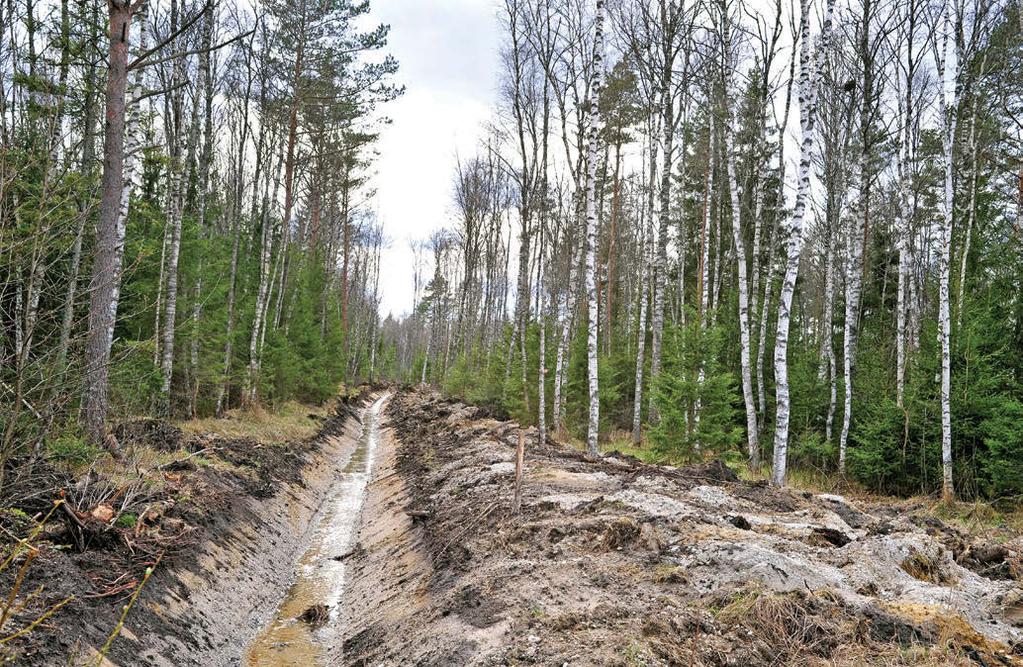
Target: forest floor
617, 562
609, 561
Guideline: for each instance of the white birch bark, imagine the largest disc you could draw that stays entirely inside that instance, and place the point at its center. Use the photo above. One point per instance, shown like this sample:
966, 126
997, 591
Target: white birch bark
828, 368
176, 198
971, 214
592, 315
947, 98
808, 83
704, 271
637, 408
772, 265
565, 308
903, 223
752, 439
853, 289
661, 260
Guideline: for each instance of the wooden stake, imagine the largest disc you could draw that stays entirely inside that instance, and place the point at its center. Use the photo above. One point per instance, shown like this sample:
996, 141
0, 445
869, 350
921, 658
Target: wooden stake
519, 456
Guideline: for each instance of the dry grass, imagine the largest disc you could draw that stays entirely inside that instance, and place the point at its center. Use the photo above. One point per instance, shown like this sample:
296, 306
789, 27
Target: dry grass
792, 624
978, 517
957, 640
292, 421
815, 630
892, 655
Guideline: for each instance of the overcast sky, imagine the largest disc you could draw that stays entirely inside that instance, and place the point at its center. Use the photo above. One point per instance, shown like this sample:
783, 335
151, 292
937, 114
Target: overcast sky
448, 55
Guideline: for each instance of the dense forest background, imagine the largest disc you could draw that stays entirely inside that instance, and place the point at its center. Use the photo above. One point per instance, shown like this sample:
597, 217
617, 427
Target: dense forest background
184, 225
783, 233
772, 231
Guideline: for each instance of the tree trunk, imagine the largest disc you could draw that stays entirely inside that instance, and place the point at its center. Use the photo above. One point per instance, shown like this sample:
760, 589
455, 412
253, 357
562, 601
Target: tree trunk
661, 266
105, 284
948, 105
637, 403
808, 84
752, 440
592, 316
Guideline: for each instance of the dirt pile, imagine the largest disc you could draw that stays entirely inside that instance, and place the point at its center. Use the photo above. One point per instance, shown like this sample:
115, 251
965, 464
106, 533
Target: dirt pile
217, 523
614, 562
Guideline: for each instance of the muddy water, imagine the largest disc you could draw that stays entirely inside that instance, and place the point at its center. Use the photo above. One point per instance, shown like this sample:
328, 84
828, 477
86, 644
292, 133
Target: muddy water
320, 576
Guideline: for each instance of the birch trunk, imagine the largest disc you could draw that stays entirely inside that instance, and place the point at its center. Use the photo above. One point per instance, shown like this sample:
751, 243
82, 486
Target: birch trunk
704, 272
222, 391
853, 288
752, 440
661, 259
808, 84
948, 102
565, 316
971, 214
176, 197
637, 404
592, 317
902, 242
772, 264
828, 367
267, 276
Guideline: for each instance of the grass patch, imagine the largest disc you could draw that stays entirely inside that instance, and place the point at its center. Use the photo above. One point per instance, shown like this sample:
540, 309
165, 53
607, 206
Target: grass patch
621, 441
979, 517
292, 421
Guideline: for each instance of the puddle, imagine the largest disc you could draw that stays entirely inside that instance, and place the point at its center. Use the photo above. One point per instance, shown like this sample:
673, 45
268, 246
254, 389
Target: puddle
320, 577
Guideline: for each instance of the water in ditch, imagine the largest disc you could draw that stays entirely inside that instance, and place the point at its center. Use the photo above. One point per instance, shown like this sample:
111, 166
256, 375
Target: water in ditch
320, 577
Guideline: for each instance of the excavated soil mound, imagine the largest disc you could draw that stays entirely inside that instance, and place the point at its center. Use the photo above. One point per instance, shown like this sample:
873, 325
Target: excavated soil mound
614, 562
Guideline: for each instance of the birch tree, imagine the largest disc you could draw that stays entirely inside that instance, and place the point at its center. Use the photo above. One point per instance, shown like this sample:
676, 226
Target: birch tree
809, 80
729, 70
592, 316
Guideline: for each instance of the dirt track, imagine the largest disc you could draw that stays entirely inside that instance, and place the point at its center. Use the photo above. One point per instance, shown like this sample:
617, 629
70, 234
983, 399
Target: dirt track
614, 562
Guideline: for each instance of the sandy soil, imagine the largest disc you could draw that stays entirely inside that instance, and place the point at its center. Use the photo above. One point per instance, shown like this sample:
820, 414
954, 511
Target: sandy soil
608, 562
614, 562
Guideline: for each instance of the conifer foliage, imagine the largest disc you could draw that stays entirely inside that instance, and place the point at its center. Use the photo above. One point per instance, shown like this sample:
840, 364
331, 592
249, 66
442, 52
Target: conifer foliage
183, 226
796, 238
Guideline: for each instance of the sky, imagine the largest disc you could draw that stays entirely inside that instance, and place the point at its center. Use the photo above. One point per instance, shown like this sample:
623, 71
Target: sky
448, 57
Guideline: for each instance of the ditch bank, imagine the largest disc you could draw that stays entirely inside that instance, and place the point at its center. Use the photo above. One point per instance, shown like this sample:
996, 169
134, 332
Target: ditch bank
228, 534
616, 562
398, 523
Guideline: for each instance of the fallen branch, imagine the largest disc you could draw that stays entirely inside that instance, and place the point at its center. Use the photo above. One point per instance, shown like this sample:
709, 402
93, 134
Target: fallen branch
520, 453
163, 466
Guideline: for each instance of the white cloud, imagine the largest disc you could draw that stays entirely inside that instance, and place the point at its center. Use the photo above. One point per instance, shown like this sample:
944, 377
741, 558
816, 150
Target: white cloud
448, 56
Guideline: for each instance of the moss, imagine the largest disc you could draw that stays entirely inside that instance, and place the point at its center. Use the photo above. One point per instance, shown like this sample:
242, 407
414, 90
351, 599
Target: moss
925, 568
71, 449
